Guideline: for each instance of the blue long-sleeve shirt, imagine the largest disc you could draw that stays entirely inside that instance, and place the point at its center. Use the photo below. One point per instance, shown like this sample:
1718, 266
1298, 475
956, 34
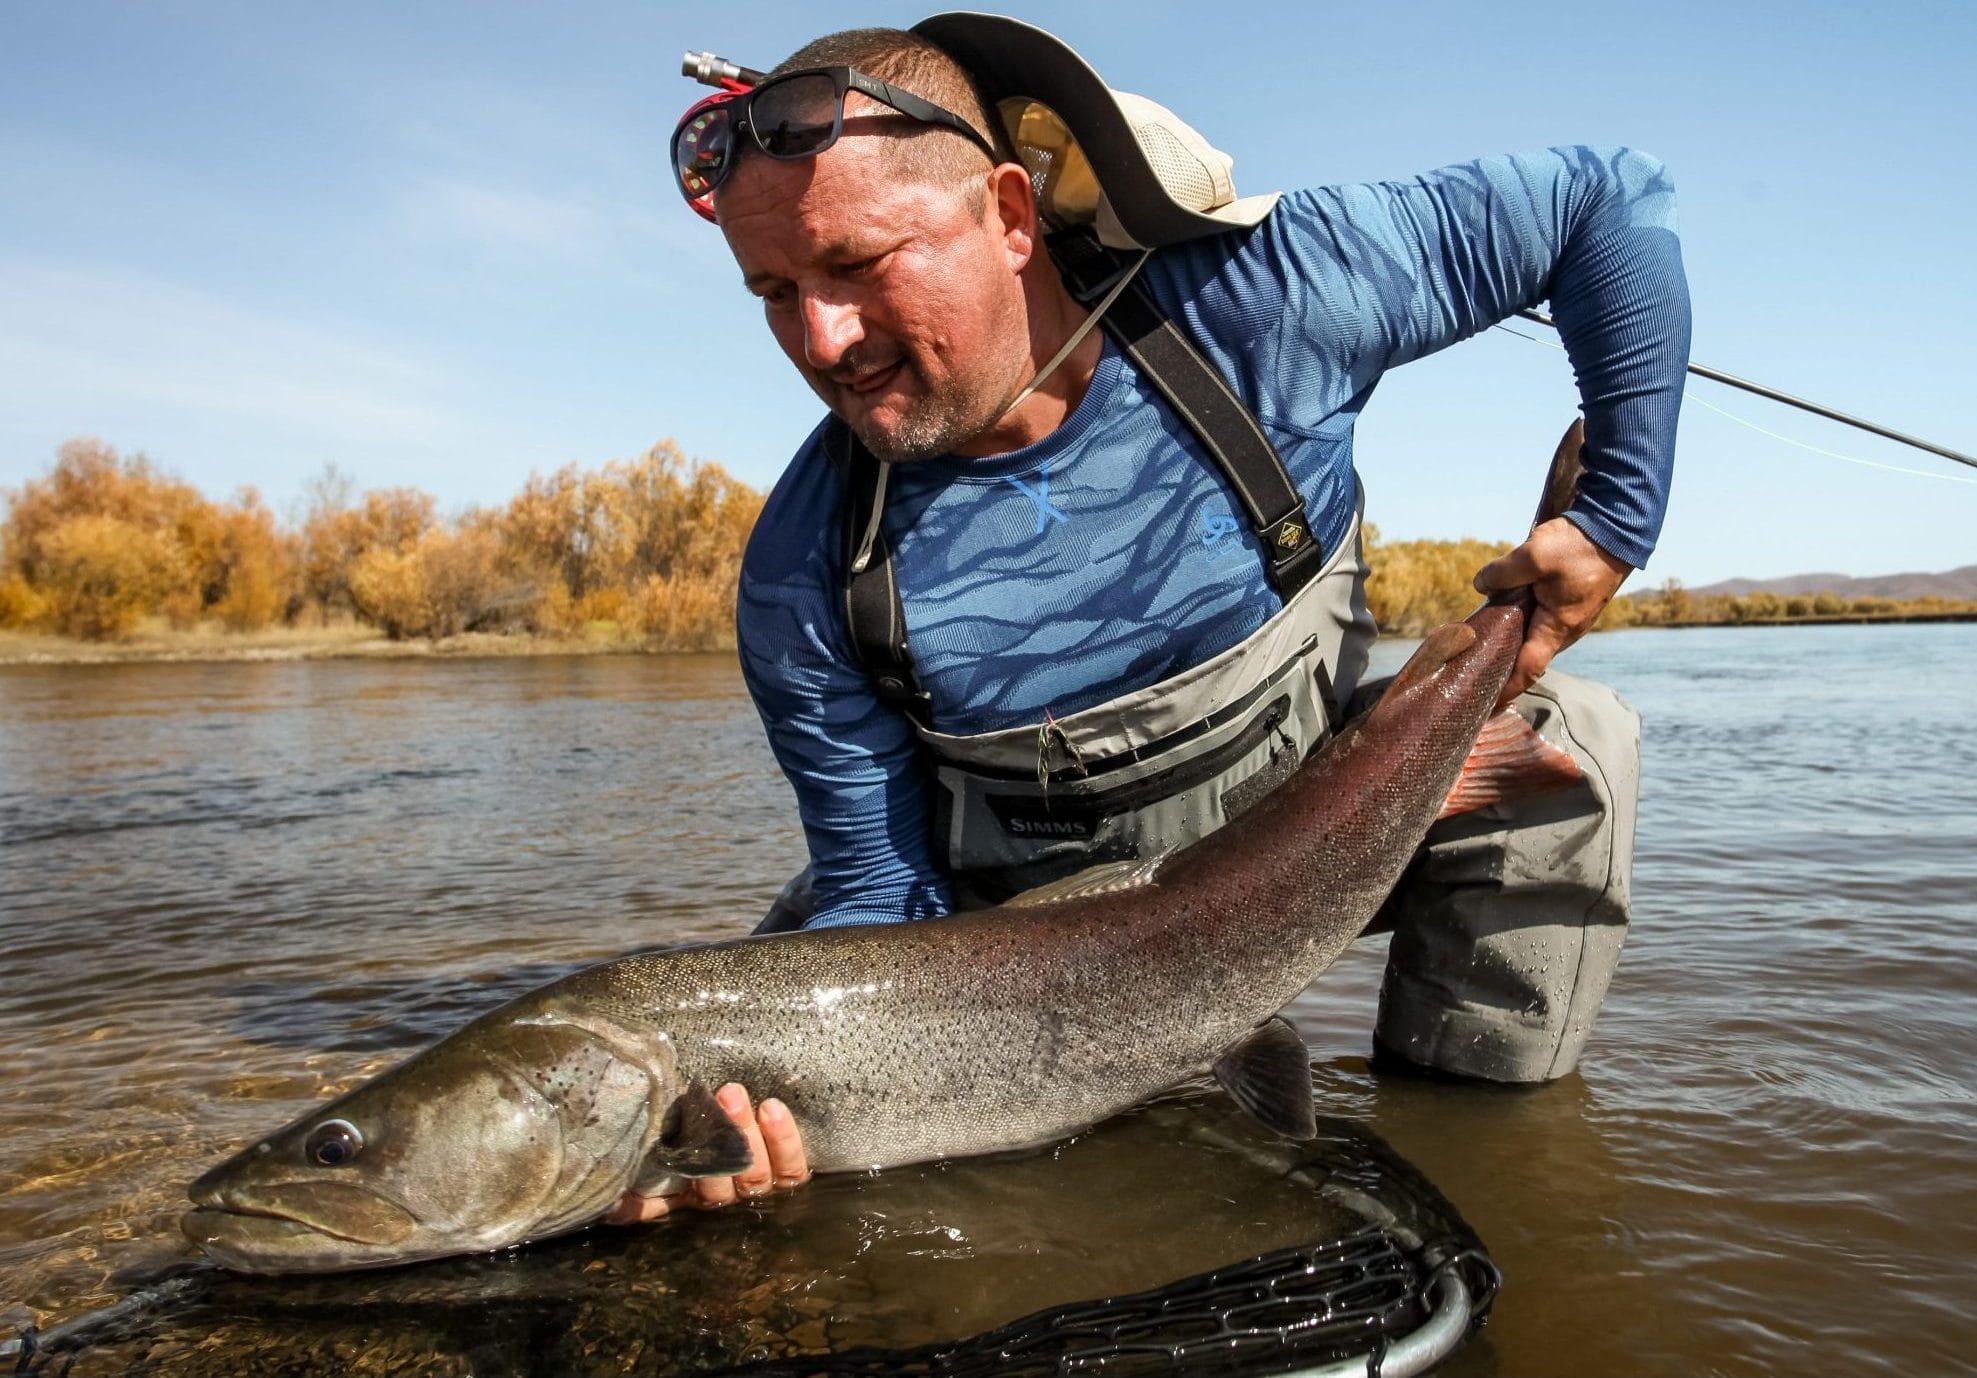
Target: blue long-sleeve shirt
1111, 554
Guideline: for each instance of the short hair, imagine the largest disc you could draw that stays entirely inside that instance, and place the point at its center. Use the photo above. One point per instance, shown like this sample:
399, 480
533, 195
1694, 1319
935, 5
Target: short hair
922, 152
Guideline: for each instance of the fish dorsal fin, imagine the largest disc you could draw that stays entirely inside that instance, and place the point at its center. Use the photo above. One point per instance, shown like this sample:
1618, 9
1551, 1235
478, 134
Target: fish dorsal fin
1509, 761
697, 1140
1107, 879
1268, 1071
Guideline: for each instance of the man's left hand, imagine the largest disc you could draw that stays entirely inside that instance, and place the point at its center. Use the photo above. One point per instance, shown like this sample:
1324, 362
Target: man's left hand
1571, 579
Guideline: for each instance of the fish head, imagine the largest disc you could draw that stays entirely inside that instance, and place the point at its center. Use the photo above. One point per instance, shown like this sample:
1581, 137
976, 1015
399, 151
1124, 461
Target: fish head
515, 1128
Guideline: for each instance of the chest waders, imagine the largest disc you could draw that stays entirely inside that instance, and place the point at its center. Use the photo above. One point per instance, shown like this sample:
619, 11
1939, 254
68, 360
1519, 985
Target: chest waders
1162, 766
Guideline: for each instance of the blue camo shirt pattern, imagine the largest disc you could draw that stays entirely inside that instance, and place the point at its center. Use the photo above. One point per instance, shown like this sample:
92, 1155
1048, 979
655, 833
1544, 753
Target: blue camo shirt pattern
1111, 555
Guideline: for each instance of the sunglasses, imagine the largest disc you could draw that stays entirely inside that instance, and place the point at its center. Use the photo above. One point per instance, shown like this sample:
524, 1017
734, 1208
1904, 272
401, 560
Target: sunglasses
796, 115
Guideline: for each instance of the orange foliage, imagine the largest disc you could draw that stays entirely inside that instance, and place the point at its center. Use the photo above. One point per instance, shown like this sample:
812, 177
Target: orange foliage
445, 582
694, 612
1415, 586
336, 533
20, 606
99, 575
647, 548
102, 541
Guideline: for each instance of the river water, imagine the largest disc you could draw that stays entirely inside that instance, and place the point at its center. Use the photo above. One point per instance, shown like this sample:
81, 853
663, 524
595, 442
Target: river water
228, 890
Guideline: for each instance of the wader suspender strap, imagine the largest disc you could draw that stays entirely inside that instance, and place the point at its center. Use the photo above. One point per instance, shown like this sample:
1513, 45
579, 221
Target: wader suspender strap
872, 610
1199, 396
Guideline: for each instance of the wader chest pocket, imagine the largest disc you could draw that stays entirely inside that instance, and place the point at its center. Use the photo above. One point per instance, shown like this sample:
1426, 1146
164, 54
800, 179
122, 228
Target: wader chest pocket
1004, 835
1066, 812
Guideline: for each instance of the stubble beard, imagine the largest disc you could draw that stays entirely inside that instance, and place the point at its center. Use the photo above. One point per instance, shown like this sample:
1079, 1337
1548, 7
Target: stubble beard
934, 422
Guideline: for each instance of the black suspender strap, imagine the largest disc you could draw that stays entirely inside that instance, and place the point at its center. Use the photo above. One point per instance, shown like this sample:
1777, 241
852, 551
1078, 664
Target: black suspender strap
873, 613
1201, 397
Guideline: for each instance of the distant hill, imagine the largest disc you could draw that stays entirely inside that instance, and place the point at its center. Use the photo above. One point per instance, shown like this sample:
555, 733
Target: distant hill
1955, 583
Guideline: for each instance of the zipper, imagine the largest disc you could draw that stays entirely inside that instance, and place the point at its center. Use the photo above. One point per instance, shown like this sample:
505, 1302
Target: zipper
1177, 779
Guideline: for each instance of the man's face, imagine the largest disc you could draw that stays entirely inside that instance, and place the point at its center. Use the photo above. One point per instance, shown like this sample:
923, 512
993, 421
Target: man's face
897, 302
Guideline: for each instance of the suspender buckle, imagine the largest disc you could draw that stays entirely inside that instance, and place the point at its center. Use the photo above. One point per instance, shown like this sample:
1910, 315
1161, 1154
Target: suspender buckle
1287, 537
903, 695
1293, 552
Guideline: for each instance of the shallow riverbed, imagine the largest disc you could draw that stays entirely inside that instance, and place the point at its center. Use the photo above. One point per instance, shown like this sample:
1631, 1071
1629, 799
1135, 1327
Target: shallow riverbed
226, 890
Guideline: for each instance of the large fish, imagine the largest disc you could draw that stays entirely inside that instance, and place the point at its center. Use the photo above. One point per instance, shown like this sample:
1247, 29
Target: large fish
967, 1034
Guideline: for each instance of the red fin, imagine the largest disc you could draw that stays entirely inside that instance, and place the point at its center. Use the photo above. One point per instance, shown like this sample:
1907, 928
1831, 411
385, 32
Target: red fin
1509, 761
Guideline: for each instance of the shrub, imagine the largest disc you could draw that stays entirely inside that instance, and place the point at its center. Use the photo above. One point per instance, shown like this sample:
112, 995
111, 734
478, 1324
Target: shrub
20, 606
388, 589
651, 546
1416, 586
337, 532
100, 574
694, 612
441, 585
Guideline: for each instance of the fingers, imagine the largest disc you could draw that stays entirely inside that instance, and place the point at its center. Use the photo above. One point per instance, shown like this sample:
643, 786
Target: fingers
1532, 661
788, 1163
1571, 579
757, 1178
777, 1163
634, 1208
1511, 570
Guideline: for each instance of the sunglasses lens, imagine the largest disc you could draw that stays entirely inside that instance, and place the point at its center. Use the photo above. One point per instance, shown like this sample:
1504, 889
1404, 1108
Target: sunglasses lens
702, 149
796, 116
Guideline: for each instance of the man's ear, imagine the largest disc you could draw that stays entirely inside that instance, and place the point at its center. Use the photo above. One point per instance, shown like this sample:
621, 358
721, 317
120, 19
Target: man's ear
1013, 204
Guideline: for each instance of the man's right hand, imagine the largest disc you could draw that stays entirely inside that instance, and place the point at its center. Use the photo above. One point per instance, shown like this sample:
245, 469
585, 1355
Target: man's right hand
779, 1164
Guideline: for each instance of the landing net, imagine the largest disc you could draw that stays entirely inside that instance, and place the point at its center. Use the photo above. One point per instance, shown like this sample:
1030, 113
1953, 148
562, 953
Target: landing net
1347, 1301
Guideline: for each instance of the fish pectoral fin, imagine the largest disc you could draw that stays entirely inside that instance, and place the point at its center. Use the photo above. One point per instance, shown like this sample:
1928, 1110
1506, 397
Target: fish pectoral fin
1268, 1071
1509, 761
696, 1140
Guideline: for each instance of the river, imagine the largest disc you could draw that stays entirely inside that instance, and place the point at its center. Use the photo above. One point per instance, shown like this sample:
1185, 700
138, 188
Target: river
229, 889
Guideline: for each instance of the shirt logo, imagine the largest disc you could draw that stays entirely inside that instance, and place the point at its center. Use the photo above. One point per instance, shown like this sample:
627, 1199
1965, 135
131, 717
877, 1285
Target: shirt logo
1040, 495
1220, 535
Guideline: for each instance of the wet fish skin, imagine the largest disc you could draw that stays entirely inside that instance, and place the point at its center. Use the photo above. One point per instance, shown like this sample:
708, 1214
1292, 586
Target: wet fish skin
946, 1037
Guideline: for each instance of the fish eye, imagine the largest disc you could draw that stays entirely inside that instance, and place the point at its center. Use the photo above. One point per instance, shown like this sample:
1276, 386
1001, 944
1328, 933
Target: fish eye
333, 1143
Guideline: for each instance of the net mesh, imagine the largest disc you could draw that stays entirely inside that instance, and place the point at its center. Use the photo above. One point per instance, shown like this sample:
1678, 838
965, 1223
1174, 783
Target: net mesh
1290, 1309
1318, 1303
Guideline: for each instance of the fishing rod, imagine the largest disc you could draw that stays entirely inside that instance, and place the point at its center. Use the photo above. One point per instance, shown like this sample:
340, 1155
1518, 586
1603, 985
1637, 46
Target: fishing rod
1718, 376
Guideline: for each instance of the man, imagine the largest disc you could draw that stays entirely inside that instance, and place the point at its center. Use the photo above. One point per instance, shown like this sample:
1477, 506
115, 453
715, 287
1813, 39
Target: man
1105, 652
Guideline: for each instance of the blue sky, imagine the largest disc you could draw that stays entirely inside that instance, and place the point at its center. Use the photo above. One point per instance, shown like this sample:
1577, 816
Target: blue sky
435, 244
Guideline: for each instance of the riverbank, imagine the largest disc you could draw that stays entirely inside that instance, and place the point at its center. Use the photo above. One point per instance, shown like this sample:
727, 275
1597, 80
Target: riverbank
338, 641
1835, 620
353, 641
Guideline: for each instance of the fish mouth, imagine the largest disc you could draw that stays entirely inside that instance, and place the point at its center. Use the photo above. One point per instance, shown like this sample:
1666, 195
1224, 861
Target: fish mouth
298, 1226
